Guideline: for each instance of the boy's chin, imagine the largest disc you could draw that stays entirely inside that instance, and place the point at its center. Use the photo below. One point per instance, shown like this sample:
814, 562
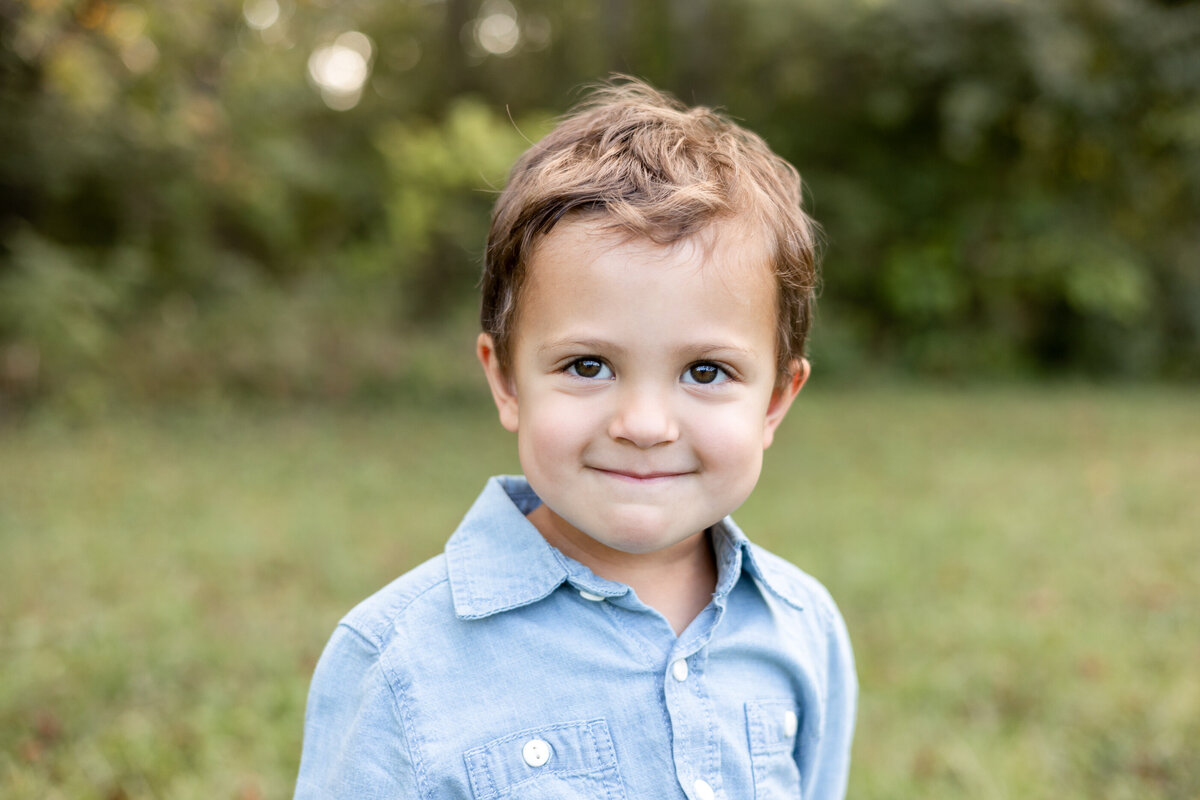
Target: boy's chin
621, 533
641, 540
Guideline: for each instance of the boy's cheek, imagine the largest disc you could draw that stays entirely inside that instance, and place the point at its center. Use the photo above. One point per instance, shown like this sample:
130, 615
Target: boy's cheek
552, 427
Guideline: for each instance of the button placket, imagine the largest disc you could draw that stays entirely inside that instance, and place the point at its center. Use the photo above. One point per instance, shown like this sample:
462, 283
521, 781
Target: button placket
696, 749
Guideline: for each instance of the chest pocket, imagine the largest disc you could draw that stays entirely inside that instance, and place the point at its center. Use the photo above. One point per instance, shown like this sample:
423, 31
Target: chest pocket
569, 761
772, 726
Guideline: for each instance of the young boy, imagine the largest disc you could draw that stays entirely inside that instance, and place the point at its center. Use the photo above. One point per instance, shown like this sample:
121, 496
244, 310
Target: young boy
600, 628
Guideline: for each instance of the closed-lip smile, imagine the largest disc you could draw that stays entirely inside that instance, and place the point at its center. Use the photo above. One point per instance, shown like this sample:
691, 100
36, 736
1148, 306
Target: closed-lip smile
635, 475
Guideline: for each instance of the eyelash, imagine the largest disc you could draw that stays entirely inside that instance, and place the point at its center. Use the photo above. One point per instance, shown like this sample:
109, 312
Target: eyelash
572, 368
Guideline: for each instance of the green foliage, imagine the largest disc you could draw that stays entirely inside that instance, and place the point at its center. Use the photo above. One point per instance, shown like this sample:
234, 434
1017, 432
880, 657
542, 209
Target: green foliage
70, 306
1000, 166
1005, 186
1023, 606
442, 181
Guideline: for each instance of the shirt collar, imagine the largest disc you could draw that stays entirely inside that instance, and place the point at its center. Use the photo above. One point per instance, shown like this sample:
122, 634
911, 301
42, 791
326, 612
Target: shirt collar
734, 553
498, 561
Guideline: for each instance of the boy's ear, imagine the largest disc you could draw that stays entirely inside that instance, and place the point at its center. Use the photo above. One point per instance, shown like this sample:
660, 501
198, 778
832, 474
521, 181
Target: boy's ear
782, 397
504, 392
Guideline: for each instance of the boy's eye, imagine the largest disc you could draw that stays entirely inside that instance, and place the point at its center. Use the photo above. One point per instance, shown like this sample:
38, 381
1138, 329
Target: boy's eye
705, 374
589, 368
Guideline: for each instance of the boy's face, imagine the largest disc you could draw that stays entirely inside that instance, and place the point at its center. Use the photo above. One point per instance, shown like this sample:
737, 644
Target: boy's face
642, 386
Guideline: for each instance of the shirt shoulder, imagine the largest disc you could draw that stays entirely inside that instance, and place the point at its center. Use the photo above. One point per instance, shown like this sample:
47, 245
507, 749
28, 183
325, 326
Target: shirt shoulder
423, 591
816, 620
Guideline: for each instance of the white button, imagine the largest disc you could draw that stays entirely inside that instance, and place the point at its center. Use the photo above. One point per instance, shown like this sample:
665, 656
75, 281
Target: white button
595, 598
536, 752
703, 790
680, 671
790, 723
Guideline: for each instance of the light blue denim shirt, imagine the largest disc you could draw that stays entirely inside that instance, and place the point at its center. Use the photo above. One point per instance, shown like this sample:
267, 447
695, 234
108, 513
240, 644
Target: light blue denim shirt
504, 670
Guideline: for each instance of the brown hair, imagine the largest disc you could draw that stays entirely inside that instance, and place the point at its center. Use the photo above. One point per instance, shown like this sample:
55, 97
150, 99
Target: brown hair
659, 170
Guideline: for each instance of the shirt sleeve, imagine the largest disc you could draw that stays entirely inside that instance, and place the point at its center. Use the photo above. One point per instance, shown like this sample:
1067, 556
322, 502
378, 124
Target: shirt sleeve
832, 762
354, 743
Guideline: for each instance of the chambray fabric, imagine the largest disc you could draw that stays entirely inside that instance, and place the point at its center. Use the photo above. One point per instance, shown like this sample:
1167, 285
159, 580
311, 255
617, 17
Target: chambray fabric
435, 686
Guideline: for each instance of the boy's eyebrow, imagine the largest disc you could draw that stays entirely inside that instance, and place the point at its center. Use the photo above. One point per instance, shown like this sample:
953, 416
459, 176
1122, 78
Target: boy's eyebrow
582, 344
603, 345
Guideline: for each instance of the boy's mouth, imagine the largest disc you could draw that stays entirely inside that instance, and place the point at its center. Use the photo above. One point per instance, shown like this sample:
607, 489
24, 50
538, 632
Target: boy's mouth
638, 476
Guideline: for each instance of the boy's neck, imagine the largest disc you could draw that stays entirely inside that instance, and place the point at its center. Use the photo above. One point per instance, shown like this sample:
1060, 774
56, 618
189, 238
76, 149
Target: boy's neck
678, 581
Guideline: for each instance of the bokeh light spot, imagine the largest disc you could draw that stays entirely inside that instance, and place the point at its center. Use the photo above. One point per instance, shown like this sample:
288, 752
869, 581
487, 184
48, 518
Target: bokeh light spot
261, 14
140, 55
537, 31
340, 70
126, 23
496, 29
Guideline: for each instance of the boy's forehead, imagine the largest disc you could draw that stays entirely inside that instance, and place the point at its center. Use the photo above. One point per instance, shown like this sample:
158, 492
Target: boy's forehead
585, 266
728, 249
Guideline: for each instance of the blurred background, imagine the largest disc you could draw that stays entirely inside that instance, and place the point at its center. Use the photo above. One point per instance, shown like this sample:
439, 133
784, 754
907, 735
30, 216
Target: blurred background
239, 246
286, 198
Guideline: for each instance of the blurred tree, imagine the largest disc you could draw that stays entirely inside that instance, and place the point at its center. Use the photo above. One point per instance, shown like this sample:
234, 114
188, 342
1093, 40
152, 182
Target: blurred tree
1005, 186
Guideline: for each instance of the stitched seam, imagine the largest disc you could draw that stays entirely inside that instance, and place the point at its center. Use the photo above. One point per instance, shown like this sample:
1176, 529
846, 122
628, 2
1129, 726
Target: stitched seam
593, 740
616, 788
489, 601
649, 646
713, 757
762, 753
594, 732
595, 748
512, 790
468, 582
493, 788
363, 636
394, 614
579, 724
763, 743
398, 688
784, 592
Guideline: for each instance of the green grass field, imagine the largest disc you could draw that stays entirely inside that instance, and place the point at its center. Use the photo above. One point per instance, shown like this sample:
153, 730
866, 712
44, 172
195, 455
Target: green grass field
1019, 569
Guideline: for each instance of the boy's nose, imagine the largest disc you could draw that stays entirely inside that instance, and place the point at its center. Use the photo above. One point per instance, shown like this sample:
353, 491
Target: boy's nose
644, 417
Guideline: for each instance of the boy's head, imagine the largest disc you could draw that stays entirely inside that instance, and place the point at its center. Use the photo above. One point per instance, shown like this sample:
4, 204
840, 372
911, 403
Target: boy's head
648, 289
653, 169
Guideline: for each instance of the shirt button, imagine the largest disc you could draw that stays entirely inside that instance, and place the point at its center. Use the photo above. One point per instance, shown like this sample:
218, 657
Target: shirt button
703, 790
536, 752
790, 723
680, 670
595, 598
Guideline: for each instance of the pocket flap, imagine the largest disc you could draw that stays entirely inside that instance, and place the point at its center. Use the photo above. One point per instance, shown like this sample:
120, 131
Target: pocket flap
772, 725
564, 749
